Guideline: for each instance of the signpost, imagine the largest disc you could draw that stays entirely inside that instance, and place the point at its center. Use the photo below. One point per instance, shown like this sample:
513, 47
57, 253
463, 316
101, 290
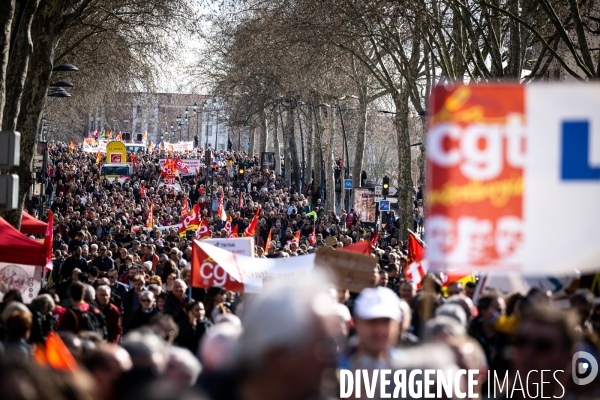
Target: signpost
378, 190
348, 184
384, 205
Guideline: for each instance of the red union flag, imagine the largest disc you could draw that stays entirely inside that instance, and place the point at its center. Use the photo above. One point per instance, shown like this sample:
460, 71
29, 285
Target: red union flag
190, 221
181, 166
476, 154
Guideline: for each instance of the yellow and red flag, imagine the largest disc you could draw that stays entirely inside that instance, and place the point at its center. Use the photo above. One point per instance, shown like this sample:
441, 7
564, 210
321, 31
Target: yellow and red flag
150, 217
203, 231
268, 243
71, 146
234, 232
190, 221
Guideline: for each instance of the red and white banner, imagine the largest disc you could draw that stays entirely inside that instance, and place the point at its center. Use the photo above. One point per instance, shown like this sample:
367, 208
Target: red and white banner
186, 167
513, 170
213, 266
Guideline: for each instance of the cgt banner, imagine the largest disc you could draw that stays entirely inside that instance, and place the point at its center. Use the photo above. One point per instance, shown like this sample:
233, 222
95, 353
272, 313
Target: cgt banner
193, 166
514, 178
212, 266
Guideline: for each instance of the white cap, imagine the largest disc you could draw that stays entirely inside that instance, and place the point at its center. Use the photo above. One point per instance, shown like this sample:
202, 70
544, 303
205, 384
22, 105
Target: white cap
379, 302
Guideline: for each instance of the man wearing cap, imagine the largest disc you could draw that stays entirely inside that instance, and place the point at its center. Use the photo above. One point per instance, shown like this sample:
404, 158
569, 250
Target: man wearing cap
377, 319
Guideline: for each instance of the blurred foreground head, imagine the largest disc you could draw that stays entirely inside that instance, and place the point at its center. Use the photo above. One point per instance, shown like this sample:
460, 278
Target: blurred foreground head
285, 345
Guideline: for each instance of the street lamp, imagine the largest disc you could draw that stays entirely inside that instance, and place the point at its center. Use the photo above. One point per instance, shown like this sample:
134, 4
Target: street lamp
196, 138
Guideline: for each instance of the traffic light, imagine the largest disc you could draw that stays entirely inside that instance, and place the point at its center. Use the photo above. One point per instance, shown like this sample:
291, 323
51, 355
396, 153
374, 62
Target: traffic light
385, 189
241, 172
196, 141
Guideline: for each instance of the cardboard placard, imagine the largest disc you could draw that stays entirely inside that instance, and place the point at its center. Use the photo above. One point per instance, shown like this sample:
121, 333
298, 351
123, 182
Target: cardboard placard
331, 241
353, 271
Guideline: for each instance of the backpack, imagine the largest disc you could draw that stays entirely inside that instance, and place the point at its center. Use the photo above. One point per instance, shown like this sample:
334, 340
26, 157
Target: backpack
92, 321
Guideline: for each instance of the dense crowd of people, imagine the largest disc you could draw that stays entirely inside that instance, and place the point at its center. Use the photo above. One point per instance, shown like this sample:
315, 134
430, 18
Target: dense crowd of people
119, 297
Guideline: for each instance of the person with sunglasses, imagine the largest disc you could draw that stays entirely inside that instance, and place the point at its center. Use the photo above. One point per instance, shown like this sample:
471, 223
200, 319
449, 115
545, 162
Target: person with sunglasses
145, 312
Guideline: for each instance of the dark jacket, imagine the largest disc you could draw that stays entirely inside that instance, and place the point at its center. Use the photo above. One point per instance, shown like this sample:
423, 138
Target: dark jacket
119, 289
141, 318
189, 335
103, 264
71, 263
175, 308
128, 308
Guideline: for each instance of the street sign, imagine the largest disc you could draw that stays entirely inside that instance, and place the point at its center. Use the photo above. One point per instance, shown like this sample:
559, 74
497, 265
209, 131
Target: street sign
249, 144
384, 205
348, 184
378, 199
378, 190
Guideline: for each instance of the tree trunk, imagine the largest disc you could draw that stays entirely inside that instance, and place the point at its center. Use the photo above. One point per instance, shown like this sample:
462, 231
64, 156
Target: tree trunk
287, 157
45, 35
329, 161
7, 11
293, 147
361, 129
264, 137
405, 184
319, 153
276, 145
309, 149
252, 141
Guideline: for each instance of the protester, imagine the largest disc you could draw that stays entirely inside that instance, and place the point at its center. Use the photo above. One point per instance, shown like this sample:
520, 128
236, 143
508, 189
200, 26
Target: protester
121, 264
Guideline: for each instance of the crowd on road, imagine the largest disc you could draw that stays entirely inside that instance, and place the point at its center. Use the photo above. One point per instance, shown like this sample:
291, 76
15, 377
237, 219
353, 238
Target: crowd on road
119, 298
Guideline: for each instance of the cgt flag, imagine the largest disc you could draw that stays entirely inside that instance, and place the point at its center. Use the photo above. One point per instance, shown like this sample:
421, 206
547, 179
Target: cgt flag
190, 221
203, 231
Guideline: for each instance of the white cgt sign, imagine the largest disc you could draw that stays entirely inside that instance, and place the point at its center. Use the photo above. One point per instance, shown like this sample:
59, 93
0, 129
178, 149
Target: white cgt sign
514, 178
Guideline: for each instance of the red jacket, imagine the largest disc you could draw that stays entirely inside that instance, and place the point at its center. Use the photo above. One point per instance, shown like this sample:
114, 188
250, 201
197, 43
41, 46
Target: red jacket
112, 315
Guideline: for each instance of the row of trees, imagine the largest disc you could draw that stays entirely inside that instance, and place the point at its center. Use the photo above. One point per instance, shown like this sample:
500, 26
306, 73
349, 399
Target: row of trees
118, 45
276, 61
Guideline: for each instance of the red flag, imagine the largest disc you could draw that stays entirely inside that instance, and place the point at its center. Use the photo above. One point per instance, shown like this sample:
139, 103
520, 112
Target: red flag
375, 239
203, 231
234, 232
48, 237
58, 355
268, 244
416, 263
185, 208
251, 229
416, 248
150, 217
143, 190
133, 161
180, 165
221, 210
312, 239
363, 247
190, 221
241, 201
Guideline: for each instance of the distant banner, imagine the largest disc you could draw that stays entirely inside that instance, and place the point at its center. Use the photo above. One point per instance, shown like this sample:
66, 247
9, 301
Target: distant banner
94, 147
267, 161
193, 166
24, 278
180, 146
364, 204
